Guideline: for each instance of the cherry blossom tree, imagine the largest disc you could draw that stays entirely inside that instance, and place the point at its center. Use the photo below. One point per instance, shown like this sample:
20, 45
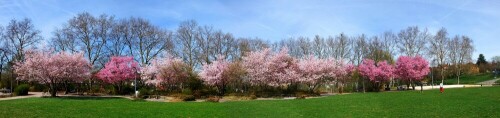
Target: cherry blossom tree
411, 69
369, 70
265, 67
165, 73
49, 68
118, 70
378, 73
315, 72
216, 74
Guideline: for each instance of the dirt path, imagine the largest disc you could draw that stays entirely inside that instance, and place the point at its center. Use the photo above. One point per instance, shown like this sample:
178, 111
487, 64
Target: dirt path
41, 94
30, 95
489, 82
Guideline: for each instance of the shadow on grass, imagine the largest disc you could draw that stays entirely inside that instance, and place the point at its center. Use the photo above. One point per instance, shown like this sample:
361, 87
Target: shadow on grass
85, 98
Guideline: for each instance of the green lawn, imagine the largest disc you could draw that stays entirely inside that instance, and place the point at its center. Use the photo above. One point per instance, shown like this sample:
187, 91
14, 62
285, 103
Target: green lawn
465, 102
470, 79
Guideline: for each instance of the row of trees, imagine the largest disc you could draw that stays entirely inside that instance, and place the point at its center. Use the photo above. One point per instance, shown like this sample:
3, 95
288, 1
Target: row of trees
191, 46
259, 70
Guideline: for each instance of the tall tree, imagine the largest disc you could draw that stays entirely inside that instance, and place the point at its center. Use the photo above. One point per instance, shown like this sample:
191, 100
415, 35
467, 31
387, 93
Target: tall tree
411, 41
186, 33
439, 49
481, 60
148, 41
21, 35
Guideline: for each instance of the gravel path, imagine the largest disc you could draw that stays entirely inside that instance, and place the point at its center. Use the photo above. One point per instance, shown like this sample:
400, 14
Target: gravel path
489, 82
41, 94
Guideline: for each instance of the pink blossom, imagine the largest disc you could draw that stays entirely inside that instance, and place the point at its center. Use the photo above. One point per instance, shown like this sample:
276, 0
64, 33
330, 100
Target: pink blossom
167, 71
119, 69
411, 68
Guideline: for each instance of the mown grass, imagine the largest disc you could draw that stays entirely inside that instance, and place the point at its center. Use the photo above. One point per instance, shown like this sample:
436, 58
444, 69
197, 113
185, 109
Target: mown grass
470, 79
464, 102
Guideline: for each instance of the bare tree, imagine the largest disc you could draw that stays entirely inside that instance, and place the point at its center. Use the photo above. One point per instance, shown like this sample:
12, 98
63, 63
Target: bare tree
204, 36
342, 49
119, 37
63, 40
5, 52
389, 40
21, 35
304, 46
439, 49
318, 46
412, 41
186, 33
224, 44
148, 41
461, 49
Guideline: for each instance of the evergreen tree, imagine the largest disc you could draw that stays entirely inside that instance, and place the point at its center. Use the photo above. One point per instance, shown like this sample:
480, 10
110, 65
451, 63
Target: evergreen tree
481, 60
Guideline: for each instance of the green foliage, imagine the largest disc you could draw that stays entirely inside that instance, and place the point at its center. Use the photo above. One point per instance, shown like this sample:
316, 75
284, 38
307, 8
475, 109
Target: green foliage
187, 91
481, 60
144, 93
38, 87
468, 79
21, 90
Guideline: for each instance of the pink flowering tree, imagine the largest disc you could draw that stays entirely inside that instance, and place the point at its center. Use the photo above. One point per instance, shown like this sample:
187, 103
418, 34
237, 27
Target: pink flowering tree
216, 74
343, 72
386, 72
315, 72
378, 73
49, 68
369, 70
411, 69
166, 73
119, 70
267, 68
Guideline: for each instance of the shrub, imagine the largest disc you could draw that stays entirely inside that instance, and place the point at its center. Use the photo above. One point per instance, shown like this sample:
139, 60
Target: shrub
187, 91
144, 93
253, 97
188, 98
213, 99
301, 95
21, 89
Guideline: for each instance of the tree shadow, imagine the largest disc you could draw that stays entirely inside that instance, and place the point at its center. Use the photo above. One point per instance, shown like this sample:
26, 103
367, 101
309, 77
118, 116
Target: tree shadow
85, 98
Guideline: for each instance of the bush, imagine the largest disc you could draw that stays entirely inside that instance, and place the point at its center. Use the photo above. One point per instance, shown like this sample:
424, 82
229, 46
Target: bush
213, 99
187, 91
301, 95
144, 93
188, 98
253, 97
21, 89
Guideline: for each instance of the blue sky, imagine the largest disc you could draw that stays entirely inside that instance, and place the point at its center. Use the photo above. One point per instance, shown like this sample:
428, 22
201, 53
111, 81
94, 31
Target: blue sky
276, 20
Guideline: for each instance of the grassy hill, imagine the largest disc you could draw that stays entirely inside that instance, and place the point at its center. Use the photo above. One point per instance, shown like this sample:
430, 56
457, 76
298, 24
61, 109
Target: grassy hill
464, 102
470, 79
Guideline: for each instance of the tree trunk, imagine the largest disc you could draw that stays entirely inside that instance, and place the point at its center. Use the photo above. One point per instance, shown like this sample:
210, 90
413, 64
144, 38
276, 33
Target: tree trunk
53, 90
66, 87
458, 76
364, 90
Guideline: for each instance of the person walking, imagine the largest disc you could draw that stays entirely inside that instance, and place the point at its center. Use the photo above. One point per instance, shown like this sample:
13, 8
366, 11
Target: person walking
441, 89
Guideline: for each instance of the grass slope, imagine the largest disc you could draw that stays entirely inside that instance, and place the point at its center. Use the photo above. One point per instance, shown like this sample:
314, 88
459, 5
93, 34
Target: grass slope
469, 79
468, 102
